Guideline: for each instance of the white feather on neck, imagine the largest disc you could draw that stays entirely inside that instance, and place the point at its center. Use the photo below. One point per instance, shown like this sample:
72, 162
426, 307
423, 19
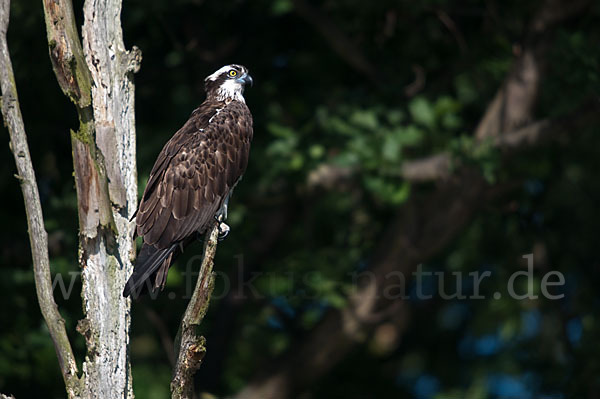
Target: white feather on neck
231, 89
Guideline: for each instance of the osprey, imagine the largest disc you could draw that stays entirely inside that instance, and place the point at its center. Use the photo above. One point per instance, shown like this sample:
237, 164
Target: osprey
192, 179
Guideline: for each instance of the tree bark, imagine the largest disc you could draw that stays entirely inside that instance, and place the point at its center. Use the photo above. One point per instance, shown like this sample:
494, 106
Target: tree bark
108, 253
97, 77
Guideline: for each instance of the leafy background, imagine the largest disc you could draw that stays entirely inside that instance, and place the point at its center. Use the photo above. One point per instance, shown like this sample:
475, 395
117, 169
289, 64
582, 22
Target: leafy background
299, 244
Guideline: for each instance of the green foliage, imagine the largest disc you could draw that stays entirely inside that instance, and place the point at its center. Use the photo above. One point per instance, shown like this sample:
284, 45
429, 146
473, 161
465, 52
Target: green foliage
465, 150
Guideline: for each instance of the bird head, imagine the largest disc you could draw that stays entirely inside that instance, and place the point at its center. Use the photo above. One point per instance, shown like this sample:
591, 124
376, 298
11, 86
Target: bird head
227, 83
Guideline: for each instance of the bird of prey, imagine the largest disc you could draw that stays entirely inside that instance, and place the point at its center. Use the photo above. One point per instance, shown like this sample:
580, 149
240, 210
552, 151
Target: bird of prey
192, 179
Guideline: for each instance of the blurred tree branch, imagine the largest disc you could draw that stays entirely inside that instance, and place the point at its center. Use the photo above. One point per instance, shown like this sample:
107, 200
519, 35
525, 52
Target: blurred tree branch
35, 220
452, 28
189, 344
440, 166
513, 104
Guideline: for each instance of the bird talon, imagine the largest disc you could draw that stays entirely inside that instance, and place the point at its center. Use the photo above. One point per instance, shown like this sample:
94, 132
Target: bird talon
223, 230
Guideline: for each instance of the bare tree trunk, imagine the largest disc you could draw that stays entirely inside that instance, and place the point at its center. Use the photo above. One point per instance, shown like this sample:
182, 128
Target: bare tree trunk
98, 79
107, 264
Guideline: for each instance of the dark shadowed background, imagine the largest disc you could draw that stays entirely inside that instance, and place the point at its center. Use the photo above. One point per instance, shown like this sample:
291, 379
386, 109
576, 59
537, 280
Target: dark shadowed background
346, 95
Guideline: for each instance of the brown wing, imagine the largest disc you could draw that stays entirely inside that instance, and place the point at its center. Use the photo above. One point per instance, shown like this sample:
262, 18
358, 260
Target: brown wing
194, 173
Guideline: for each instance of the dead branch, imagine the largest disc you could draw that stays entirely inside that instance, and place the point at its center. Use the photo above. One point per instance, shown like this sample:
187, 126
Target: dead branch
35, 220
97, 77
75, 80
190, 345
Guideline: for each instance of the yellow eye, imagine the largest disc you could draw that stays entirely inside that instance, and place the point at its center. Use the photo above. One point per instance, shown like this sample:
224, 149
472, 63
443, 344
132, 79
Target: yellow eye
232, 73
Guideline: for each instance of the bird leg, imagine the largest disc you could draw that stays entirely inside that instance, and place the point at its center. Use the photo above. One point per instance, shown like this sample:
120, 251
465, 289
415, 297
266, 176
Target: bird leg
223, 230
221, 216
223, 210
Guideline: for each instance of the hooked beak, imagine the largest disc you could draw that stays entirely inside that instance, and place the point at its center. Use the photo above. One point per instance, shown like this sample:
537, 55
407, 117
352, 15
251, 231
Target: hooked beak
246, 79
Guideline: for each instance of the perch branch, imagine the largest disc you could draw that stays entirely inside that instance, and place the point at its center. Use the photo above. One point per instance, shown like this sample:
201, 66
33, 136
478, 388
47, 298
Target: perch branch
35, 220
190, 348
